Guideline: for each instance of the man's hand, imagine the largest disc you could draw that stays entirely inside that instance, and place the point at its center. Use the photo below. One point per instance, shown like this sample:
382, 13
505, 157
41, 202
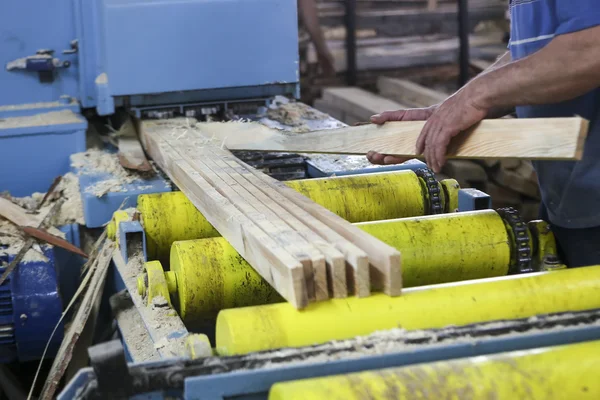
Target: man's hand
416, 114
327, 63
455, 115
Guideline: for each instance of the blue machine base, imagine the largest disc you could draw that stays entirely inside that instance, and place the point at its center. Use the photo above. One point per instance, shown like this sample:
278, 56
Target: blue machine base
97, 211
315, 172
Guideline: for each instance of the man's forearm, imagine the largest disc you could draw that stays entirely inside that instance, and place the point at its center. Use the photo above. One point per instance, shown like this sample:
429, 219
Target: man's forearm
568, 67
310, 17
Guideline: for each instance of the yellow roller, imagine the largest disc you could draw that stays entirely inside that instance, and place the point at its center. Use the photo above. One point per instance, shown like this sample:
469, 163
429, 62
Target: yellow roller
561, 372
169, 217
209, 275
248, 329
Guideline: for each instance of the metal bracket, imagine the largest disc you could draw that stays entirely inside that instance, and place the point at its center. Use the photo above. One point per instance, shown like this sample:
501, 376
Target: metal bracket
131, 237
110, 366
473, 199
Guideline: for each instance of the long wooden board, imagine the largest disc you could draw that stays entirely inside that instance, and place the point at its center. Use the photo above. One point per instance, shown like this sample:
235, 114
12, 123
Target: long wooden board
279, 268
532, 139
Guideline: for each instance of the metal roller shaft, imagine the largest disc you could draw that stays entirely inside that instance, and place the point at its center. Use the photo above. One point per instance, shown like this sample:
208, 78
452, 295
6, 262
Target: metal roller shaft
561, 372
169, 217
212, 276
249, 329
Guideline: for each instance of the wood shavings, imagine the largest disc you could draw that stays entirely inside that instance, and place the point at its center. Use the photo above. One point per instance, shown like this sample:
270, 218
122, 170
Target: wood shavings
12, 239
71, 211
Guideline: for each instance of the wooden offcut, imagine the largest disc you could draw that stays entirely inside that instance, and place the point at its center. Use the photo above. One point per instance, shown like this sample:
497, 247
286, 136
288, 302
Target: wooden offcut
533, 139
409, 93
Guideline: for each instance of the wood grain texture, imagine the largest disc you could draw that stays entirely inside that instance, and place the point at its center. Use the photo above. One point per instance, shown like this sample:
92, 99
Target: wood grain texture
20, 217
279, 268
532, 139
409, 93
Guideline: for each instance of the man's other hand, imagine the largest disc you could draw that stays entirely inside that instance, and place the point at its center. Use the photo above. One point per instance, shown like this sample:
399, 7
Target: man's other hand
415, 114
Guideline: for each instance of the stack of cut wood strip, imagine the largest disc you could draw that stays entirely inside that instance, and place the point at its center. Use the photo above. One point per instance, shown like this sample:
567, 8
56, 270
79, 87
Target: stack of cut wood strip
510, 183
303, 250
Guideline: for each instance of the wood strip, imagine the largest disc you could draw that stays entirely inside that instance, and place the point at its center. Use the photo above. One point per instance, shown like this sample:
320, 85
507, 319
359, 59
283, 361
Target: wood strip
358, 102
532, 139
357, 259
275, 265
409, 93
18, 216
203, 162
385, 273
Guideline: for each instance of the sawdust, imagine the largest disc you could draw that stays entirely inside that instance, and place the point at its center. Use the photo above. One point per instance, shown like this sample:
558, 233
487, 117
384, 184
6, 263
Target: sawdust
71, 211
12, 240
293, 114
49, 118
95, 161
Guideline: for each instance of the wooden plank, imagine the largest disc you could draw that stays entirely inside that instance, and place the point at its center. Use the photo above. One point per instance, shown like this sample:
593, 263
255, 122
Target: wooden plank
311, 259
409, 93
358, 102
131, 154
516, 182
280, 269
533, 139
385, 270
18, 216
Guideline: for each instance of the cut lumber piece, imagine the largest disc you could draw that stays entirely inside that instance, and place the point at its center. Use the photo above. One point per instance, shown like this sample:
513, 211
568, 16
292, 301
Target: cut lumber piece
516, 182
20, 217
533, 139
131, 154
358, 102
465, 170
502, 197
409, 93
511, 163
239, 194
280, 269
385, 260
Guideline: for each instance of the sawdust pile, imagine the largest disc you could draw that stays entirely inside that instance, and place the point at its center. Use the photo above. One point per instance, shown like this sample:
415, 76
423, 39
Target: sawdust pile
12, 240
71, 211
95, 161
293, 114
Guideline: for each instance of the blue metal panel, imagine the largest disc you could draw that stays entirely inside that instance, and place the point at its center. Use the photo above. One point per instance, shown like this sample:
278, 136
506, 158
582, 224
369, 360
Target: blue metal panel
473, 199
127, 230
38, 153
99, 210
157, 46
29, 26
25, 110
68, 265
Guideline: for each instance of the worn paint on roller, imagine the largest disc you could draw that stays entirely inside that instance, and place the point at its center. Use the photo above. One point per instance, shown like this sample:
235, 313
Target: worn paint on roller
169, 217
434, 250
211, 276
249, 329
370, 197
561, 372
448, 247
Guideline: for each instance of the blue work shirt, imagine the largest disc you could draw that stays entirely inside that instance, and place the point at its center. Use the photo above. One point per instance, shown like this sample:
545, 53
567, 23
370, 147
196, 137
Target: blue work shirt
570, 190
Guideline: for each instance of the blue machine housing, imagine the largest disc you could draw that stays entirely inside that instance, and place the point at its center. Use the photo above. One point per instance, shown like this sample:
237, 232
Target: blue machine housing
154, 52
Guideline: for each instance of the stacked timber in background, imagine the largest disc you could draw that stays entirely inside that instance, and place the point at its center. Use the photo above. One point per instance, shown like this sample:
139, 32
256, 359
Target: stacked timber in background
510, 183
402, 39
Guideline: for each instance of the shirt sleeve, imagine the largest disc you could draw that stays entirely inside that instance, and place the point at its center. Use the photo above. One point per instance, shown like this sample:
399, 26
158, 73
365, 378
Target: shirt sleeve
577, 15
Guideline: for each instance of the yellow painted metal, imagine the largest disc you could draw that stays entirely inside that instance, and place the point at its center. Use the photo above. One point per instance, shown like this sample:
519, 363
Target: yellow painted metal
249, 329
435, 249
210, 276
447, 247
111, 229
545, 257
170, 217
153, 283
366, 197
561, 372
198, 346
451, 189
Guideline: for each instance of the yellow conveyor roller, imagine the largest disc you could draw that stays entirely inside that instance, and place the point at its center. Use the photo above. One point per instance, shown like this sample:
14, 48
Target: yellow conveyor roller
561, 372
249, 329
169, 217
210, 275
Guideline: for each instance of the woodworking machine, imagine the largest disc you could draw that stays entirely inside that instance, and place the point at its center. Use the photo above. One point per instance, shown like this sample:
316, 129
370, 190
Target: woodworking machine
194, 320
